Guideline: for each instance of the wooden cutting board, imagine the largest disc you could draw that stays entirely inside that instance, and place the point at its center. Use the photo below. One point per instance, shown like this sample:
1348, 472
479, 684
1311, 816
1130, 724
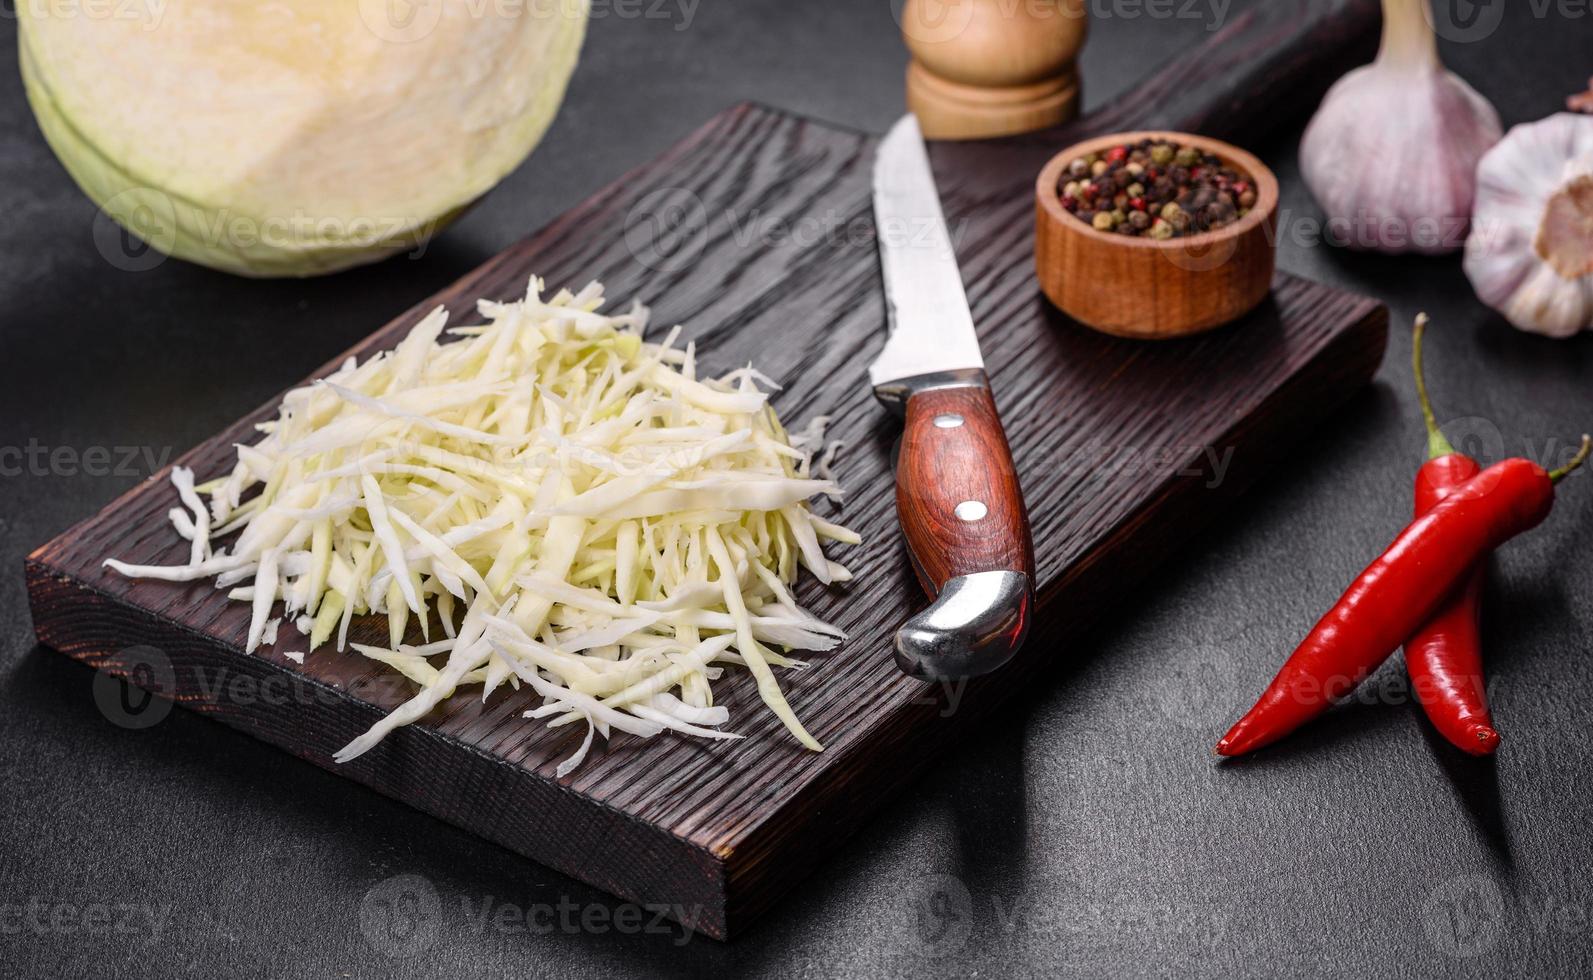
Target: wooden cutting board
755, 232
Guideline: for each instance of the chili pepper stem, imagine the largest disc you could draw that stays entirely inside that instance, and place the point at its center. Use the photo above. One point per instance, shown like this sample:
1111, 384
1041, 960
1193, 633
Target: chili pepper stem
1437, 445
1576, 461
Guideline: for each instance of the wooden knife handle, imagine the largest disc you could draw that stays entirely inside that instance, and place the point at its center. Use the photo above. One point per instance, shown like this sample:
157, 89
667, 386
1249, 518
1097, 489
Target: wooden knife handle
962, 513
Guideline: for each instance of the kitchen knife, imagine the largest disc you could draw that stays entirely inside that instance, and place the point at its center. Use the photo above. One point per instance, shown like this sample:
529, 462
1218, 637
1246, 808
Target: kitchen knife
956, 489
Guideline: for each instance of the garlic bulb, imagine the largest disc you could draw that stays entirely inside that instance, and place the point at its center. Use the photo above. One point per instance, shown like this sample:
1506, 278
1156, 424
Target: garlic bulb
1530, 254
1391, 152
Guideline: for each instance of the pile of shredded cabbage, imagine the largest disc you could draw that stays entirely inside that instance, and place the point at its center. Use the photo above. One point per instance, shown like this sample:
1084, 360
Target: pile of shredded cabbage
577, 510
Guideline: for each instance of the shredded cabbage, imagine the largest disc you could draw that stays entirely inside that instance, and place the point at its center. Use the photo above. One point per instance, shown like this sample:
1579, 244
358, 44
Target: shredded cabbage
555, 502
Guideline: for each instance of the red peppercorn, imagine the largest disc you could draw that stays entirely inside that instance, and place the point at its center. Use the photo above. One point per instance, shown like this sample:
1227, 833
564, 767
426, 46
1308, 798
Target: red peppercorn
1138, 203
1116, 154
1071, 203
1240, 186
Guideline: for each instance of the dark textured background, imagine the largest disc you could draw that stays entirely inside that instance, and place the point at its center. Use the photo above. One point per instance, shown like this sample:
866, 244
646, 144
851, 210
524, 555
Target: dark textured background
1087, 830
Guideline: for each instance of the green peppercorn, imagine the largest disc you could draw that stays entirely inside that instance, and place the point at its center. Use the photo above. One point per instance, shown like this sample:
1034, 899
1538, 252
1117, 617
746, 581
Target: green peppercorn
1161, 154
1188, 156
1160, 230
1118, 217
1171, 208
1136, 190
1102, 221
1135, 169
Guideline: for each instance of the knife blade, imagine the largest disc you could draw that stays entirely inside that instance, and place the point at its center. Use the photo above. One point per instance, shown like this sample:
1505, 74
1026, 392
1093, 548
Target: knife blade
957, 492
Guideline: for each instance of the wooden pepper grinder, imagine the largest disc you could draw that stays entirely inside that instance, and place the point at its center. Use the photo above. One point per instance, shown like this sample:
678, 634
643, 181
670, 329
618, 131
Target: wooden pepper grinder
992, 67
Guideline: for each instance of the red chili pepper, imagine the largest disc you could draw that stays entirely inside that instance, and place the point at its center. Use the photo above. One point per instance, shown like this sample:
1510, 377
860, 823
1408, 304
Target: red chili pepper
1444, 657
1397, 593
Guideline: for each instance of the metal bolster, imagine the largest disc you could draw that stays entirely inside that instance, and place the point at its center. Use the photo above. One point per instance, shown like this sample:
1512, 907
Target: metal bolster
975, 625
894, 394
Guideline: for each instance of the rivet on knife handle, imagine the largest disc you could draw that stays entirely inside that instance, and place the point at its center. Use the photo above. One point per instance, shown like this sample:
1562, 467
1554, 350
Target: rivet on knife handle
962, 513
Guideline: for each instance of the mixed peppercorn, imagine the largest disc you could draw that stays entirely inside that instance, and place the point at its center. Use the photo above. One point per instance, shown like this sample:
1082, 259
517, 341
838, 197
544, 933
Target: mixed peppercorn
1155, 189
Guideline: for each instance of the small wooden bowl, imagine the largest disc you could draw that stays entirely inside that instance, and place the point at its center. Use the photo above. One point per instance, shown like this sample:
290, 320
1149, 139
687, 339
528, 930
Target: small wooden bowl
1135, 286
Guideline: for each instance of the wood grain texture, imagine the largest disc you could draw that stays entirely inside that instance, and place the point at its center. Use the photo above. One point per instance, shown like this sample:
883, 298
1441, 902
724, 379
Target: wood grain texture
771, 259
954, 453
1152, 289
984, 68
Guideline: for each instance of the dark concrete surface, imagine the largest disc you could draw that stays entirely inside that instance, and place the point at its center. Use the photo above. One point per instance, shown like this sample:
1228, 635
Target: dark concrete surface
1086, 831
